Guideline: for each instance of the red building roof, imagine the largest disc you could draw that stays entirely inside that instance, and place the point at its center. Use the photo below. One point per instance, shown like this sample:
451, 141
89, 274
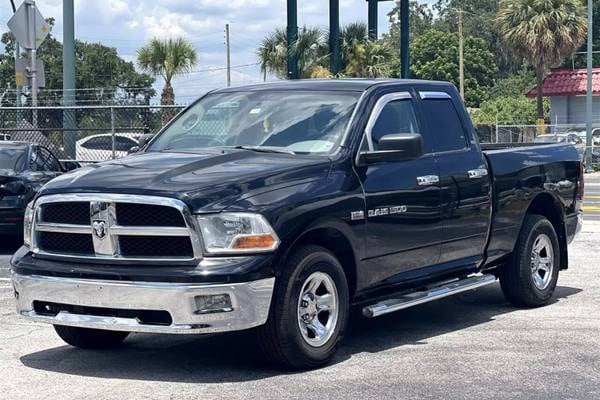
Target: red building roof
568, 82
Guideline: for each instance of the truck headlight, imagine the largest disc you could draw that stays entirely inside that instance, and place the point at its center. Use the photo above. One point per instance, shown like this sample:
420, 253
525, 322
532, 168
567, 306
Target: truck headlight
27, 223
233, 233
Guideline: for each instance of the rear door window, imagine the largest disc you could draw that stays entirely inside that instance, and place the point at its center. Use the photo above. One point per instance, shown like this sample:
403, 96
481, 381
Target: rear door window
123, 143
444, 124
98, 143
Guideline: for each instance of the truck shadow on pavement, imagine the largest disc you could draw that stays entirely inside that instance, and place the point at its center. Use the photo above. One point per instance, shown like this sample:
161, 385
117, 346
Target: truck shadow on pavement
234, 357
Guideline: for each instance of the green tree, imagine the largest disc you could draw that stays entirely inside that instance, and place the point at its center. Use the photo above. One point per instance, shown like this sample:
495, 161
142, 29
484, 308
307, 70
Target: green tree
369, 59
506, 110
421, 20
515, 85
543, 32
580, 60
352, 36
478, 21
360, 56
97, 66
167, 58
434, 56
310, 49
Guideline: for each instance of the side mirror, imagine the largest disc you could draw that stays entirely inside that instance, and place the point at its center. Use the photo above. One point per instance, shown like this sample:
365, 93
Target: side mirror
395, 147
134, 149
69, 165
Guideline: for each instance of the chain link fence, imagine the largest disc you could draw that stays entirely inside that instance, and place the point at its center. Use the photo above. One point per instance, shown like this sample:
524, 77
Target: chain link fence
85, 133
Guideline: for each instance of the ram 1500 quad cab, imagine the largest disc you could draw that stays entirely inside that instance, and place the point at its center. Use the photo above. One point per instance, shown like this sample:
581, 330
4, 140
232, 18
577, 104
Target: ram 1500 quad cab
280, 206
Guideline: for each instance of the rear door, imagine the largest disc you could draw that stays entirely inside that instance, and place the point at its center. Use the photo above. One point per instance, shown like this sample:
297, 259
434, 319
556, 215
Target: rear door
464, 182
402, 197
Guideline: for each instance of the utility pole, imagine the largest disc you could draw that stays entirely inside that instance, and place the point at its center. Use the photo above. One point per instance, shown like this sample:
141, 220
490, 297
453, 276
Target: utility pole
590, 88
461, 55
69, 125
228, 54
17, 55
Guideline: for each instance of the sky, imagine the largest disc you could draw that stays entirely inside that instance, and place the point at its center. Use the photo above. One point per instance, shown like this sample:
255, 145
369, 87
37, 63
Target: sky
128, 25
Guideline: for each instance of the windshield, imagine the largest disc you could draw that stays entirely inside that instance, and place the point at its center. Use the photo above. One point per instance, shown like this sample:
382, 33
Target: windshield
287, 121
11, 160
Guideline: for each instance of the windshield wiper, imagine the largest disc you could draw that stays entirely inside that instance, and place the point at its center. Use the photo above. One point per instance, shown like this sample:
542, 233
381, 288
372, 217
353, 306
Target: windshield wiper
264, 149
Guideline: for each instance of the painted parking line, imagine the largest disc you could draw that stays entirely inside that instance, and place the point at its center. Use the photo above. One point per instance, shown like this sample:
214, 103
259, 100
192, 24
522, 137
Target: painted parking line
592, 209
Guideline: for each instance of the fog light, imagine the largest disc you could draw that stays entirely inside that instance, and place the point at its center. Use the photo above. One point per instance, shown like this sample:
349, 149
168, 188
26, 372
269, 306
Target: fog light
215, 303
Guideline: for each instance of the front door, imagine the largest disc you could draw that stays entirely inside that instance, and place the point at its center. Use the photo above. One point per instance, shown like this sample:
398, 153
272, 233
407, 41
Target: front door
402, 197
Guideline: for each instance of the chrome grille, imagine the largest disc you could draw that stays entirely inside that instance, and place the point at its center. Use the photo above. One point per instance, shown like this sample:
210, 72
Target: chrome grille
115, 227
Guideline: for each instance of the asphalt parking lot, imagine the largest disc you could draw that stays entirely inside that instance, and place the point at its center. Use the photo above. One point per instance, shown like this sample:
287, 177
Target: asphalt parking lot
474, 345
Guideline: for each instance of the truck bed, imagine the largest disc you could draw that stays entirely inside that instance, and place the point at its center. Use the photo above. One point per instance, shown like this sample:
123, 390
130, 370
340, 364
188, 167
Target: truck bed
519, 172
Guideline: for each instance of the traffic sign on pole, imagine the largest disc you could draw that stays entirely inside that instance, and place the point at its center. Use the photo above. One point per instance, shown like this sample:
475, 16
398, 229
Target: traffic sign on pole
19, 24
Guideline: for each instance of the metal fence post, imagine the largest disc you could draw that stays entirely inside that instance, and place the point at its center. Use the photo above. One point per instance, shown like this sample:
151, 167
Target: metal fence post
112, 130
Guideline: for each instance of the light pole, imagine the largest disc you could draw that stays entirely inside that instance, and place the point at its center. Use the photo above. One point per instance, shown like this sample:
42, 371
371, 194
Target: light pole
590, 88
292, 37
69, 99
17, 55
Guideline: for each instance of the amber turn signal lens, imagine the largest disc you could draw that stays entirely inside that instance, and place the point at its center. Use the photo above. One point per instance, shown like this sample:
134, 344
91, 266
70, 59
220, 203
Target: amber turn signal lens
258, 242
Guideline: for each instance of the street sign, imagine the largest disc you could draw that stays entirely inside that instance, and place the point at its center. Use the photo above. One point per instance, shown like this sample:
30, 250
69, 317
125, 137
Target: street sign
22, 75
19, 26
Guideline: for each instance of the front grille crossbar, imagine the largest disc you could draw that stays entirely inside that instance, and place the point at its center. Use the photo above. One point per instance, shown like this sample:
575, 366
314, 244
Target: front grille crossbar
115, 230
110, 238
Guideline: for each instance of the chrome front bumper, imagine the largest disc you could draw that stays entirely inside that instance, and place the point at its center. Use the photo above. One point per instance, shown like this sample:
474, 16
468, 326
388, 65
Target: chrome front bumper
250, 302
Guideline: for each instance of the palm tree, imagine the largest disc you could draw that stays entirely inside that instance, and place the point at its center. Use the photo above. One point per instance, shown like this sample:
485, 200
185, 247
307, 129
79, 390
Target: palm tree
309, 49
272, 54
370, 59
167, 58
351, 35
543, 32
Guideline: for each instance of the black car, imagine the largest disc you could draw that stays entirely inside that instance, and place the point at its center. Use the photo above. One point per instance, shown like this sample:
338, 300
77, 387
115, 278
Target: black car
24, 169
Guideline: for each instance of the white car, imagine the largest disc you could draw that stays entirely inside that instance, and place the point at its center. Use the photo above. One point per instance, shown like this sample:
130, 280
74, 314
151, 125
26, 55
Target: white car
100, 147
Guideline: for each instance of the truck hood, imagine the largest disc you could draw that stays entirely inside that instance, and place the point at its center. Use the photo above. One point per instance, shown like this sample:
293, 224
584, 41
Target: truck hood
207, 181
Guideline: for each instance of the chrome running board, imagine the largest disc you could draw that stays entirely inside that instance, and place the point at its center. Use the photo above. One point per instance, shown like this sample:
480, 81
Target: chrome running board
416, 298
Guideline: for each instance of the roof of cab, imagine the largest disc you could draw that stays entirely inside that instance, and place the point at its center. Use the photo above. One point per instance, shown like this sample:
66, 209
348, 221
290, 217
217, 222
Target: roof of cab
358, 85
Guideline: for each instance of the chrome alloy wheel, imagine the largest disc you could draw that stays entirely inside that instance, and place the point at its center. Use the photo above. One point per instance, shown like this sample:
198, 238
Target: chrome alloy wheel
318, 307
542, 261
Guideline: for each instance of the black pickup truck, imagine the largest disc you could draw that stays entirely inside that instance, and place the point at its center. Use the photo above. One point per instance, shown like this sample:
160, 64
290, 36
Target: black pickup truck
280, 206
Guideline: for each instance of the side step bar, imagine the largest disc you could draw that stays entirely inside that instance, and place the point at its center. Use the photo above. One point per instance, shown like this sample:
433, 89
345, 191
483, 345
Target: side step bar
416, 298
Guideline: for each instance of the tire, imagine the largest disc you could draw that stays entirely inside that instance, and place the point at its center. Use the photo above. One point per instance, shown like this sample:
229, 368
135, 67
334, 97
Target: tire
287, 338
518, 279
85, 338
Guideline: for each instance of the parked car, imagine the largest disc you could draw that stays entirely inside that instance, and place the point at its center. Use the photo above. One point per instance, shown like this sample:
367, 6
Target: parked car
279, 206
24, 168
100, 147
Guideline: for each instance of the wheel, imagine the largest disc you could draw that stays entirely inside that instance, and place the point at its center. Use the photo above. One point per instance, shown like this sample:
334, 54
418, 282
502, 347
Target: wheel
530, 278
90, 338
309, 310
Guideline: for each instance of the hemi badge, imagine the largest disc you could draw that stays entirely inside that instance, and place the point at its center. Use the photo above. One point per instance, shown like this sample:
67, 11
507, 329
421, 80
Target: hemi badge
357, 215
